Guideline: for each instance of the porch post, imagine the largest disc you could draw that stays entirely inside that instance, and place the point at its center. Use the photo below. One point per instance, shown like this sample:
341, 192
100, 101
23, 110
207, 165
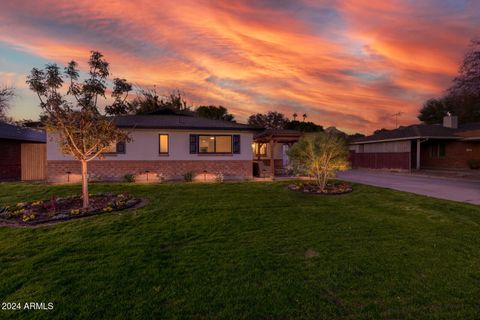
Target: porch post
272, 160
417, 164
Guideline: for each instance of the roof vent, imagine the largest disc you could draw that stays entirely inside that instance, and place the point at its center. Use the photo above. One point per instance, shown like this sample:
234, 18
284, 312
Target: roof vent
450, 121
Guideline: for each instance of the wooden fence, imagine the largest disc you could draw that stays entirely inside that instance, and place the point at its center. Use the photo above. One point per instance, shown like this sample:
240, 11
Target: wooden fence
34, 161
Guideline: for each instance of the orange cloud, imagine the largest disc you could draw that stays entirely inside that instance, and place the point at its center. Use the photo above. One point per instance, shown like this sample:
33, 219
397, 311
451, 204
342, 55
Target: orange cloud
348, 63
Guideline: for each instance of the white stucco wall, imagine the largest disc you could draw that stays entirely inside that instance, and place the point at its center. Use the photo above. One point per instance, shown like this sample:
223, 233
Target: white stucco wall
144, 146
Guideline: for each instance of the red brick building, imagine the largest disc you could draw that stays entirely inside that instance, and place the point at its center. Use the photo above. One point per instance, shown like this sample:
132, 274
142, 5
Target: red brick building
442, 146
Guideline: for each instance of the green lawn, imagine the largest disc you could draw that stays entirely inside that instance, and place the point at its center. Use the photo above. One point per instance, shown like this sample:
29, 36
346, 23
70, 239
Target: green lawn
237, 250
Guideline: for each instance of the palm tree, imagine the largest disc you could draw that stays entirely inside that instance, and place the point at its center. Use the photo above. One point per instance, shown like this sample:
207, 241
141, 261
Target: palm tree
304, 117
295, 115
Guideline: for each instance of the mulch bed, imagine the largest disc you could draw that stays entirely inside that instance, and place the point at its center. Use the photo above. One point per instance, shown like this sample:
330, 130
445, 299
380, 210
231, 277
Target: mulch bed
334, 188
56, 209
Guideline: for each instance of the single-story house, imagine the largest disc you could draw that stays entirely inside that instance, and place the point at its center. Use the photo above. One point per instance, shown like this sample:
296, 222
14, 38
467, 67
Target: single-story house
22, 153
165, 146
420, 146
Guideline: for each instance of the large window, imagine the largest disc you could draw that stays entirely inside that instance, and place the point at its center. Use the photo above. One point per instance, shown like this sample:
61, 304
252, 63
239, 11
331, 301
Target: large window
437, 150
163, 144
215, 144
260, 149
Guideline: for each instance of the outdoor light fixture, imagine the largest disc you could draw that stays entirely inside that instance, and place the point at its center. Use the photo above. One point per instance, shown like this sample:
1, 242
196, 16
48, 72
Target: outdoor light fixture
68, 175
205, 175
147, 172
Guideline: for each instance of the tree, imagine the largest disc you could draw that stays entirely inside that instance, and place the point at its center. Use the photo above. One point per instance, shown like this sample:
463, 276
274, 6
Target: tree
433, 111
380, 131
303, 126
463, 97
74, 118
213, 112
270, 120
148, 101
6, 94
321, 155
468, 80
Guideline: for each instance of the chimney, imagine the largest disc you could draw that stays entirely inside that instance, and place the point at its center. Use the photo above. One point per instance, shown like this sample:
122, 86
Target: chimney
450, 121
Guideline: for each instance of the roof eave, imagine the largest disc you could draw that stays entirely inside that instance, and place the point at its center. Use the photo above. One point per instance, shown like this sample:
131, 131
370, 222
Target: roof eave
403, 139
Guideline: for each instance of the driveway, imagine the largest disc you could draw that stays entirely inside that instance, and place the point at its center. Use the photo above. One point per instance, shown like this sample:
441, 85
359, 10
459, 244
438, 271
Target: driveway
442, 188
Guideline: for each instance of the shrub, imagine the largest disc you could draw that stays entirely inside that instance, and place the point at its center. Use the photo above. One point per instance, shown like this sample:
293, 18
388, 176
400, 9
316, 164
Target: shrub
129, 177
321, 155
474, 164
188, 176
219, 177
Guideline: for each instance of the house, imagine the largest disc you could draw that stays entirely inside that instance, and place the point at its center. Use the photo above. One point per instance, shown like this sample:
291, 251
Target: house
420, 146
22, 153
165, 146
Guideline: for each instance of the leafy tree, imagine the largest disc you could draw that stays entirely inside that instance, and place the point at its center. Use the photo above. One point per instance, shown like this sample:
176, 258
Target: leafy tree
303, 126
380, 131
321, 155
433, 111
6, 94
355, 136
213, 112
148, 101
74, 118
270, 120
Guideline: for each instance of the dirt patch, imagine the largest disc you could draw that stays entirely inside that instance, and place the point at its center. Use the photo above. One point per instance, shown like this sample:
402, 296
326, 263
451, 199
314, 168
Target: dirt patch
56, 210
310, 253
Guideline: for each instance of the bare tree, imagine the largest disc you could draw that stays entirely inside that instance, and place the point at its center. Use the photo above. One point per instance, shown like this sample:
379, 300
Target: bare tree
6, 95
74, 118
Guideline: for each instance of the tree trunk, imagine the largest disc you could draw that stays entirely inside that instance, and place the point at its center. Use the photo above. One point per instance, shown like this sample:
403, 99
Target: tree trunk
85, 184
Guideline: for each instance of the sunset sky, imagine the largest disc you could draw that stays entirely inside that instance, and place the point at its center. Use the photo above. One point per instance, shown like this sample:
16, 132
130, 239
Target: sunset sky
346, 63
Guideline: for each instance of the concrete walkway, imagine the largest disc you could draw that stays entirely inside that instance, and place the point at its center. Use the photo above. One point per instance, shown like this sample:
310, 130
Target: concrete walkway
443, 188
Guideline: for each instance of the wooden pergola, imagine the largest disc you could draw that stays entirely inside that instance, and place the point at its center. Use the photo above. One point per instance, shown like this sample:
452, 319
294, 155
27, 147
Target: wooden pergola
272, 137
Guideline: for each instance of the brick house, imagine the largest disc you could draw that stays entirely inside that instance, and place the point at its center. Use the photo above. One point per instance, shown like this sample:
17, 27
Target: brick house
421, 146
22, 153
165, 146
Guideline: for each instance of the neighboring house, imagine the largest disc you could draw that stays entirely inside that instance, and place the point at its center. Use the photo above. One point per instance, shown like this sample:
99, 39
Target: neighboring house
22, 153
447, 146
167, 146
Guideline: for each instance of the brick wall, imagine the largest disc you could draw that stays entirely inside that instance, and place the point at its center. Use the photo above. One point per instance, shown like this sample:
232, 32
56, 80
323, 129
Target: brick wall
107, 170
457, 153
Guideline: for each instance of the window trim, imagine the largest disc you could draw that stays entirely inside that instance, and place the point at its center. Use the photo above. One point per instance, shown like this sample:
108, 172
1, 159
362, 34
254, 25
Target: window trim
168, 144
114, 153
214, 144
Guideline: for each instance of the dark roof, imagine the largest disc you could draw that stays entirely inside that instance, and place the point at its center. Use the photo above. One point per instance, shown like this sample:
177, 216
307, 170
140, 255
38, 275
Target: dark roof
11, 132
177, 122
278, 133
410, 132
469, 126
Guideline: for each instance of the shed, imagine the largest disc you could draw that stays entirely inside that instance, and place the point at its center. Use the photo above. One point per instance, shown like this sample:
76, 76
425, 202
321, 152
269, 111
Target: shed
22, 153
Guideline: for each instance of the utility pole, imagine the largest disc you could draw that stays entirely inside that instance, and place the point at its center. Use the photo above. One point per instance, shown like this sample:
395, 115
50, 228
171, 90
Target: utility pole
396, 115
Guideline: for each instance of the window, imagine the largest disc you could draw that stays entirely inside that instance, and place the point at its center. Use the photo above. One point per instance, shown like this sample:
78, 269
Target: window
115, 147
437, 150
260, 149
163, 144
215, 144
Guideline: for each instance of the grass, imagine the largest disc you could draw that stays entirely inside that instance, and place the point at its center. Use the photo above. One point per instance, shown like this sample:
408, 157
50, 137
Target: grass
237, 251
